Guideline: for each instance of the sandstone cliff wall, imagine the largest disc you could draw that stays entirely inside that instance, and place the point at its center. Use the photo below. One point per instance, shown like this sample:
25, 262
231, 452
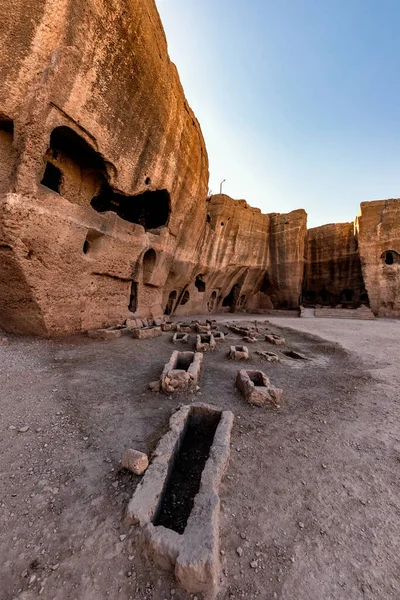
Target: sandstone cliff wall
101, 159
246, 261
379, 243
332, 268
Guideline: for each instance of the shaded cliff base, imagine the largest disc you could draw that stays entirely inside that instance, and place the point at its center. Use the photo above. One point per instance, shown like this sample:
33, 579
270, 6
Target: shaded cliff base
320, 463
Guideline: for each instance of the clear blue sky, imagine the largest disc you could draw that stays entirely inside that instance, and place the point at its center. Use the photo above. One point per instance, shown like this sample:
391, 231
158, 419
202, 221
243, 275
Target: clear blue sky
298, 100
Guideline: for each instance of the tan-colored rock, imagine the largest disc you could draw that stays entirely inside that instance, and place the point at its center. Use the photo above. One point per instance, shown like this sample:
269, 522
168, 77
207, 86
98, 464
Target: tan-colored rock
104, 334
147, 333
135, 461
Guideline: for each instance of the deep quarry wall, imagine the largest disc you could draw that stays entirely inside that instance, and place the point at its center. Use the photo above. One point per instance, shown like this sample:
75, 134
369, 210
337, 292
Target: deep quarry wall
103, 189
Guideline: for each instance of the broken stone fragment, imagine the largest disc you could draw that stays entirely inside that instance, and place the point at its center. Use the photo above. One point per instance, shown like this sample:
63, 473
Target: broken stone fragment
135, 461
275, 339
5, 342
155, 386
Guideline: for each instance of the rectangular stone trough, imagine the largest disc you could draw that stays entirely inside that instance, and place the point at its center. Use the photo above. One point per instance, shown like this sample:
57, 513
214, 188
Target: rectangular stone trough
146, 333
257, 389
203, 327
239, 352
181, 337
176, 505
182, 371
218, 336
205, 342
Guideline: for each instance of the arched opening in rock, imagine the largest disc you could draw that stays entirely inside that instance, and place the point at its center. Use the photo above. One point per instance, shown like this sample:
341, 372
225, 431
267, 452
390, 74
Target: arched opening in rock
93, 241
7, 125
185, 298
149, 262
170, 304
212, 301
231, 299
200, 283
133, 297
86, 247
52, 177
150, 209
391, 257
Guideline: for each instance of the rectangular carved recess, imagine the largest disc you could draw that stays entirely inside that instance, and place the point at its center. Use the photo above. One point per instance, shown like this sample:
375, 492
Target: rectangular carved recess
183, 482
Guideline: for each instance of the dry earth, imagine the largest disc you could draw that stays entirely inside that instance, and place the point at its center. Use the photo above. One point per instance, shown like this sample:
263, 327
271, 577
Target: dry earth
310, 499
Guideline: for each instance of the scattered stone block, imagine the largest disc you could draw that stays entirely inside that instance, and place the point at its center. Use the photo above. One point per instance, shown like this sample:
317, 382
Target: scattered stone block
104, 334
239, 353
203, 327
135, 461
192, 554
181, 338
257, 389
147, 333
212, 323
269, 356
205, 342
272, 338
4, 342
155, 386
250, 339
166, 327
182, 372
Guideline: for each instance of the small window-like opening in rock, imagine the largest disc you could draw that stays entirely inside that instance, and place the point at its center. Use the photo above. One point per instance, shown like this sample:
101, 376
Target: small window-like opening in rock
389, 258
150, 209
7, 126
184, 361
52, 177
257, 379
208, 218
200, 284
222, 224
149, 262
183, 481
86, 247
185, 298
147, 181
133, 297
231, 299
170, 304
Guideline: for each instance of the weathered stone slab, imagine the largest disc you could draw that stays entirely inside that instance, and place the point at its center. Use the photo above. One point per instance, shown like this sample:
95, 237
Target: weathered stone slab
268, 356
104, 334
257, 389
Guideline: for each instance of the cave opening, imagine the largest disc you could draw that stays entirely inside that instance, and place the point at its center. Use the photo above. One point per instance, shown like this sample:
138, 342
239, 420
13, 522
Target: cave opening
133, 299
185, 298
149, 263
7, 125
231, 299
212, 301
52, 177
200, 283
150, 209
170, 304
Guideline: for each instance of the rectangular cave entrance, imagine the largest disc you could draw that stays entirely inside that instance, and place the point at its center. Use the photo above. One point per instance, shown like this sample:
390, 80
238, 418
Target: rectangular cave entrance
183, 482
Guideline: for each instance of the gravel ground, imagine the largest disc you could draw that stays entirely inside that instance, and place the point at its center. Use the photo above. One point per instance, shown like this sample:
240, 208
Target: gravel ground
310, 505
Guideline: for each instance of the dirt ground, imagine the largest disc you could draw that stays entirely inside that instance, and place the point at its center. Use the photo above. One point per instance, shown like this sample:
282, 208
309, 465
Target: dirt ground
311, 496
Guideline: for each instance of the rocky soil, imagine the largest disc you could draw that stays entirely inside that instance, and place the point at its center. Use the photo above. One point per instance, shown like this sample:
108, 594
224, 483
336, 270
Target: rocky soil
310, 504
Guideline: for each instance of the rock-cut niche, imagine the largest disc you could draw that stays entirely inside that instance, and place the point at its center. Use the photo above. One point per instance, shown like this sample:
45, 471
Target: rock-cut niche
78, 173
